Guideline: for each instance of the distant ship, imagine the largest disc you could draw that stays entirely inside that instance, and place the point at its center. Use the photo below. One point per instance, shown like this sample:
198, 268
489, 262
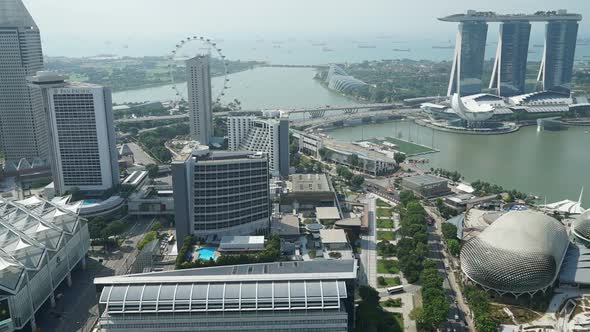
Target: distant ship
401, 50
443, 47
367, 46
318, 44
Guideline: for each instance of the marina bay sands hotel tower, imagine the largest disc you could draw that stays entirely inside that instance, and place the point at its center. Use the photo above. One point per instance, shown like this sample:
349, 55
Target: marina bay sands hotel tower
509, 71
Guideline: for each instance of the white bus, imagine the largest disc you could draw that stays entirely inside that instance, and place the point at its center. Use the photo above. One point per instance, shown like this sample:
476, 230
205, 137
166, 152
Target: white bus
396, 289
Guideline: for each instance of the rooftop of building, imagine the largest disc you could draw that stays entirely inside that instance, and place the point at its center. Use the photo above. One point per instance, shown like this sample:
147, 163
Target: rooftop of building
29, 229
251, 287
539, 16
426, 179
275, 271
242, 240
346, 148
327, 213
333, 236
310, 183
193, 149
575, 268
135, 177
286, 225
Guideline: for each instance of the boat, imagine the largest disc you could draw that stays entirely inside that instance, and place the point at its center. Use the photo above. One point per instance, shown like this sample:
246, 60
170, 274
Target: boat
318, 44
401, 49
450, 47
367, 46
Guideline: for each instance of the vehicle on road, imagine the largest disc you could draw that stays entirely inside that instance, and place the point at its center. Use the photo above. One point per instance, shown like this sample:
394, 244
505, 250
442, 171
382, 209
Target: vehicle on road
395, 289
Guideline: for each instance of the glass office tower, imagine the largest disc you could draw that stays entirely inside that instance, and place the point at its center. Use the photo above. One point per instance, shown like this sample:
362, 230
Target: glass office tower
509, 73
466, 73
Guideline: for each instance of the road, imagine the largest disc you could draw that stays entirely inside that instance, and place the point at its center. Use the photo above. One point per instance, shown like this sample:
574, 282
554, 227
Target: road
140, 156
458, 307
369, 250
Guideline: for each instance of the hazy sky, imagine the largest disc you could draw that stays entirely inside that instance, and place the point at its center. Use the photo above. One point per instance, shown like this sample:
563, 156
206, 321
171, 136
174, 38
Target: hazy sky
86, 23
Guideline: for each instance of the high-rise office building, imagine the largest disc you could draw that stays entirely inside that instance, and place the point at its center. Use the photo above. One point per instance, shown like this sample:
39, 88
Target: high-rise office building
219, 193
198, 78
269, 135
81, 134
467, 69
509, 73
23, 130
558, 56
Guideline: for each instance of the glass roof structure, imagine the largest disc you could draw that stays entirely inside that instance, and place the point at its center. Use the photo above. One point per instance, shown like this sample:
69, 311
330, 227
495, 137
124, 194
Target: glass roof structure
29, 230
187, 297
250, 287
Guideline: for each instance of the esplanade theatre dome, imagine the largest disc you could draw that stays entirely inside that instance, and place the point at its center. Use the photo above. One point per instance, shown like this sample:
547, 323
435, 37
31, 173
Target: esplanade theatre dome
581, 227
521, 252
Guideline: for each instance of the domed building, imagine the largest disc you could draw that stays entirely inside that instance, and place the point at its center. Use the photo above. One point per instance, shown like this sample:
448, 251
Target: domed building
581, 228
520, 253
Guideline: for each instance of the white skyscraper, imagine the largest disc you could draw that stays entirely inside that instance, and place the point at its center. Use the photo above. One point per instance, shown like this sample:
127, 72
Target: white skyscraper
269, 135
23, 130
81, 134
198, 80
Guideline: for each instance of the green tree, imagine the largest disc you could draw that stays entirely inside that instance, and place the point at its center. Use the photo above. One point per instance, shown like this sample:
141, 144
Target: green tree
116, 227
96, 226
399, 157
353, 160
454, 247
357, 181
449, 231
406, 196
156, 226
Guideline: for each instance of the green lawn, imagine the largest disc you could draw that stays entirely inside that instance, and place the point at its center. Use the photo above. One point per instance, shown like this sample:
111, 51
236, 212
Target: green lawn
384, 223
383, 213
384, 235
387, 266
389, 282
392, 303
406, 147
382, 203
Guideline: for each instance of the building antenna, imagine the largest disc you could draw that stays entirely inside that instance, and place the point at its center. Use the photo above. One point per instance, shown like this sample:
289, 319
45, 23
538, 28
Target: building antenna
581, 194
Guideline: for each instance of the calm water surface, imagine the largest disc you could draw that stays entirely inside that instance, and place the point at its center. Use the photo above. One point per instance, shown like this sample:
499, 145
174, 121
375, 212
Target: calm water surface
551, 164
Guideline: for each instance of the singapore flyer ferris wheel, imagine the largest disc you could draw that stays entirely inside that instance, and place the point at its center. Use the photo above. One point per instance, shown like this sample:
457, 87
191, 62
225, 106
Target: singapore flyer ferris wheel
191, 47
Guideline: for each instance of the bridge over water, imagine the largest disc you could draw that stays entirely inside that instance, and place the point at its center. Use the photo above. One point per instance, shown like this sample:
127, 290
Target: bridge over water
294, 113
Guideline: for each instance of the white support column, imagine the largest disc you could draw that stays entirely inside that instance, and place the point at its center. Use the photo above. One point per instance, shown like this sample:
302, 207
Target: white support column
33, 323
455, 77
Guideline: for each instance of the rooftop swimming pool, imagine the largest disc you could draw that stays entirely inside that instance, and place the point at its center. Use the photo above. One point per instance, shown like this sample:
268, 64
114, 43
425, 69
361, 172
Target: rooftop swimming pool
206, 253
90, 201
